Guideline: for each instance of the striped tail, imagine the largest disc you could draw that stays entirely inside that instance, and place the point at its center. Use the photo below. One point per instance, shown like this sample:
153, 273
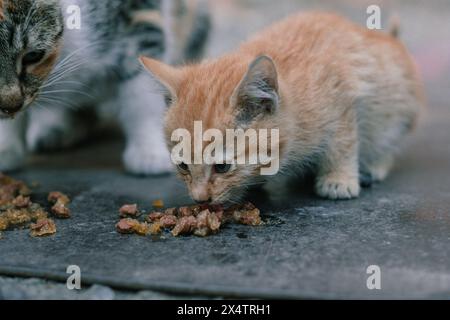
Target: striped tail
394, 26
187, 24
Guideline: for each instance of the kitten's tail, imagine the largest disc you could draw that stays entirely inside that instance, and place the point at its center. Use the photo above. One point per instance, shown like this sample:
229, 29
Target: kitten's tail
187, 28
200, 31
394, 26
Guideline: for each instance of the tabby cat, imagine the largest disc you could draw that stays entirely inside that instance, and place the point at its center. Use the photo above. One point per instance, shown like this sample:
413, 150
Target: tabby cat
53, 72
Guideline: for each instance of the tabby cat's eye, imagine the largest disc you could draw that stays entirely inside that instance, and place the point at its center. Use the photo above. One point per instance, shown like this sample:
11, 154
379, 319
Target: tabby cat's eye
183, 167
33, 57
222, 168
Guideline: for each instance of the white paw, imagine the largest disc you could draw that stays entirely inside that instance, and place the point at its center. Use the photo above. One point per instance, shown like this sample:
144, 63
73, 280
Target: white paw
147, 159
53, 137
340, 187
12, 155
57, 128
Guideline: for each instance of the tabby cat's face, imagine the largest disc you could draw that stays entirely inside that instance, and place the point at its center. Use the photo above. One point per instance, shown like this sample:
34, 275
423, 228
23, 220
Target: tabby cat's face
30, 38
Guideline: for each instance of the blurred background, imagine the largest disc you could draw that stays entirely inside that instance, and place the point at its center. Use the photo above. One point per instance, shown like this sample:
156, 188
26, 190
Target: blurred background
424, 28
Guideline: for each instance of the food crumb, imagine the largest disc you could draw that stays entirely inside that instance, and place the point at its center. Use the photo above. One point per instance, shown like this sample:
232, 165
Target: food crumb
42, 228
129, 210
125, 226
168, 221
129, 226
154, 216
21, 202
248, 217
141, 228
155, 228
185, 225
158, 204
17, 217
60, 202
4, 223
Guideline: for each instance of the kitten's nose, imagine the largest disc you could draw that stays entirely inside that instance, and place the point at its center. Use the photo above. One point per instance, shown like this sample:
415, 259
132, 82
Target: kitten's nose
200, 193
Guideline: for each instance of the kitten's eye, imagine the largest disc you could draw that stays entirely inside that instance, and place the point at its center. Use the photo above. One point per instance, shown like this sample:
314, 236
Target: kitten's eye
222, 168
183, 167
33, 57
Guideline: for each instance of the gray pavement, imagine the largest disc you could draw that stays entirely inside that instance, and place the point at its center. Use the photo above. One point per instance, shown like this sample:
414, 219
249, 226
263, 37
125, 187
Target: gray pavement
309, 248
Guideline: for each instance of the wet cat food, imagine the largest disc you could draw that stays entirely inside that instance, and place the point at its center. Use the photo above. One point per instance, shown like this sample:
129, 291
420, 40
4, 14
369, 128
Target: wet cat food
60, 202
129, 226
199, 220
42, 228
18, 211
129, 210
125, 226
154, 216
168, 221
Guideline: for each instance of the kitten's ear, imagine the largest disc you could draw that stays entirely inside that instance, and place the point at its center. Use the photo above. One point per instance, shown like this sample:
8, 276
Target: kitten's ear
166, 76
257, 93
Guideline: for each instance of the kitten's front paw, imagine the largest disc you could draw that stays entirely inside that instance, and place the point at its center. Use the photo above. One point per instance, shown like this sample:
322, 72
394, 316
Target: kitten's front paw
338, 187
12, 156
146, 159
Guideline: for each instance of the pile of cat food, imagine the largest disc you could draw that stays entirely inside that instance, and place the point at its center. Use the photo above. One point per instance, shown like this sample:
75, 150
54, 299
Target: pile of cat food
199, 220
17, 211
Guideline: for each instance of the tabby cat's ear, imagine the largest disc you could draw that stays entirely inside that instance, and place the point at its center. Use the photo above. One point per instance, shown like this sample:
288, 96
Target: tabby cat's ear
257, 93
167, 77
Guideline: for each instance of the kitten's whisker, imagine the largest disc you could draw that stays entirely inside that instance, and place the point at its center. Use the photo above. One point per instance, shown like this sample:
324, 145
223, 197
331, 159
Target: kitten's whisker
68, 91
54, 101
62, 75
253, 184
74, 53
62, 72
228, 196
79, 83
65, 68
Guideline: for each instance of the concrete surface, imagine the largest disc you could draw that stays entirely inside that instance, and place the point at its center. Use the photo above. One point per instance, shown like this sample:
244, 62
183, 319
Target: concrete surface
309, 248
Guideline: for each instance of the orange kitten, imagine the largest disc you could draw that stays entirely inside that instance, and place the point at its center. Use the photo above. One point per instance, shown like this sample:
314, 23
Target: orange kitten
341, 96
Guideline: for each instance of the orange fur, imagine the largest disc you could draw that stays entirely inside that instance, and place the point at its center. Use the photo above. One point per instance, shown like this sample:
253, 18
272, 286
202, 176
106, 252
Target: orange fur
43, 69
347, 95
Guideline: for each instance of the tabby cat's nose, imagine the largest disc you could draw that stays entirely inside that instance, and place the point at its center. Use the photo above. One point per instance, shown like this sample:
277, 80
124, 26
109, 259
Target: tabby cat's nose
11, 103
11, 109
